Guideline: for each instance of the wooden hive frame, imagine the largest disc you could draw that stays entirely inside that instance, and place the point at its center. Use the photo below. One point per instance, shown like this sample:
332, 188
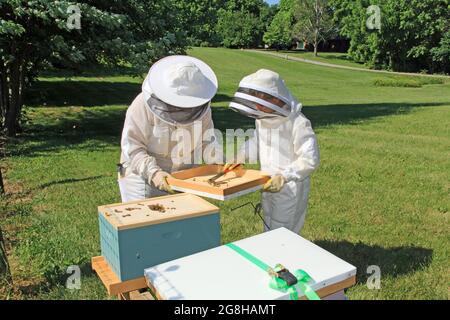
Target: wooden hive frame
179, 182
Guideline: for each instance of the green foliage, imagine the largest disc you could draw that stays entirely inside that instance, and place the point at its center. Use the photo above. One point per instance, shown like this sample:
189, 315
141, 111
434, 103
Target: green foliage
414, 34
238, 29
279, 32
242, 23
406, 82
307, 20
37, 31
441, 53
199, 19
34, 35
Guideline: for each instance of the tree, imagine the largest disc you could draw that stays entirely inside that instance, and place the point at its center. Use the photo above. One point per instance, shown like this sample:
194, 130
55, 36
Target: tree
266, 16
413, 34
199, 18
237, 29
279, 32
36, 34
314, 21
441, 53
242, 23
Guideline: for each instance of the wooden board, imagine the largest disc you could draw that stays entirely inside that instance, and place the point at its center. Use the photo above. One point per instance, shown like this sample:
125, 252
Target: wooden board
200, 275
142, 213
112, 283
230, 185
136, 295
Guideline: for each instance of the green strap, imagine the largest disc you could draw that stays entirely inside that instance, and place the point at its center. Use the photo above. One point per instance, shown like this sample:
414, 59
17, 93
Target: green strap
249, 257
279, 284
303, 279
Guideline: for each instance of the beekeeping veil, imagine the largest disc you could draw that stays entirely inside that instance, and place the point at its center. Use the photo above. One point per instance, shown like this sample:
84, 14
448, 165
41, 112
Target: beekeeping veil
263, 95
179, 89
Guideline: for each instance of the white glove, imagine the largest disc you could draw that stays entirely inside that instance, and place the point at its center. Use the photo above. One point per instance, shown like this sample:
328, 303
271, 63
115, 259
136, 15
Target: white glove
160, 181
275, 184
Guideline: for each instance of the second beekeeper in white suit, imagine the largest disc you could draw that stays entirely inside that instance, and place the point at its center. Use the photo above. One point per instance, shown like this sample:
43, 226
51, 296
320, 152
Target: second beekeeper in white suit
286, 144
165, 126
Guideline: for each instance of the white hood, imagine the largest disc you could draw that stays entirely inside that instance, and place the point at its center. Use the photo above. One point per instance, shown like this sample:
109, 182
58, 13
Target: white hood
264, 95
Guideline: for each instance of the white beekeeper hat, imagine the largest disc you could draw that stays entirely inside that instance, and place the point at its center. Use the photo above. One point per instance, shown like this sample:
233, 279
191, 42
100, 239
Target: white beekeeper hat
263, 94
181, 81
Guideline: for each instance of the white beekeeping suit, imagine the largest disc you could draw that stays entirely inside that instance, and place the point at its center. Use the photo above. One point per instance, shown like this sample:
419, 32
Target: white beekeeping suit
167, 127
286, 143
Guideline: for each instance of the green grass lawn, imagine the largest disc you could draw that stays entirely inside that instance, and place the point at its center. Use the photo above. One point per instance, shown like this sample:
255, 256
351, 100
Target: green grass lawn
381, 196
326, 57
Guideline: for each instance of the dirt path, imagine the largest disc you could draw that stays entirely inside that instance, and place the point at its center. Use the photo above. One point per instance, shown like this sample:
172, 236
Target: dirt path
324, 64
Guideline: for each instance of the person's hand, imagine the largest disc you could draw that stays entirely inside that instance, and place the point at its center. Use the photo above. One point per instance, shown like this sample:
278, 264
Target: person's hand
275, 184
160, 181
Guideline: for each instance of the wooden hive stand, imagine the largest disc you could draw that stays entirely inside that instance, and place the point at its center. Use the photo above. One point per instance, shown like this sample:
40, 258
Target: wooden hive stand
135, 289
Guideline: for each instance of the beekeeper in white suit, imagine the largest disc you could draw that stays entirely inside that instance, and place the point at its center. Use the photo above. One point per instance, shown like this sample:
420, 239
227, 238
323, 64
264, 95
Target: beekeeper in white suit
176, 97
286, 143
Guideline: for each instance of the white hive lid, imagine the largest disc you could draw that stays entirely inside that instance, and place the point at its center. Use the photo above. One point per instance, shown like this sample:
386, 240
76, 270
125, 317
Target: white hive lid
221, 273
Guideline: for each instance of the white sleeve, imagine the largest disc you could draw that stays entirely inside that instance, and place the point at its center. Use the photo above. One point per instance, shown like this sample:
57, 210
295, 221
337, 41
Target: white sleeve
306, 150
135, 139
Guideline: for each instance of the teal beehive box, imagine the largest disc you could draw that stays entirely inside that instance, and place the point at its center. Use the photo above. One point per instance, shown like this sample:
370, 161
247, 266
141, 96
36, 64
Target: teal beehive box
141, 234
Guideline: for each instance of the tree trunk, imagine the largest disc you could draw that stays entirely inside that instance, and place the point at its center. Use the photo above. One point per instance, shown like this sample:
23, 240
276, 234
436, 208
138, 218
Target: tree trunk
2, 185
2, 155
5, 272
316, 43
3, 108
4, 95
15, 84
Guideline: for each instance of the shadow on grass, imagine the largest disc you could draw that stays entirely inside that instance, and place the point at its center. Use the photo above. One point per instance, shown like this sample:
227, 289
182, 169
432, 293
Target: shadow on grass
10, 207
106, 93
221, 97
225, 118
53, 278
88, 130
93, 71
69, 180
393, 262
81, 93
101, 127
326, 115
